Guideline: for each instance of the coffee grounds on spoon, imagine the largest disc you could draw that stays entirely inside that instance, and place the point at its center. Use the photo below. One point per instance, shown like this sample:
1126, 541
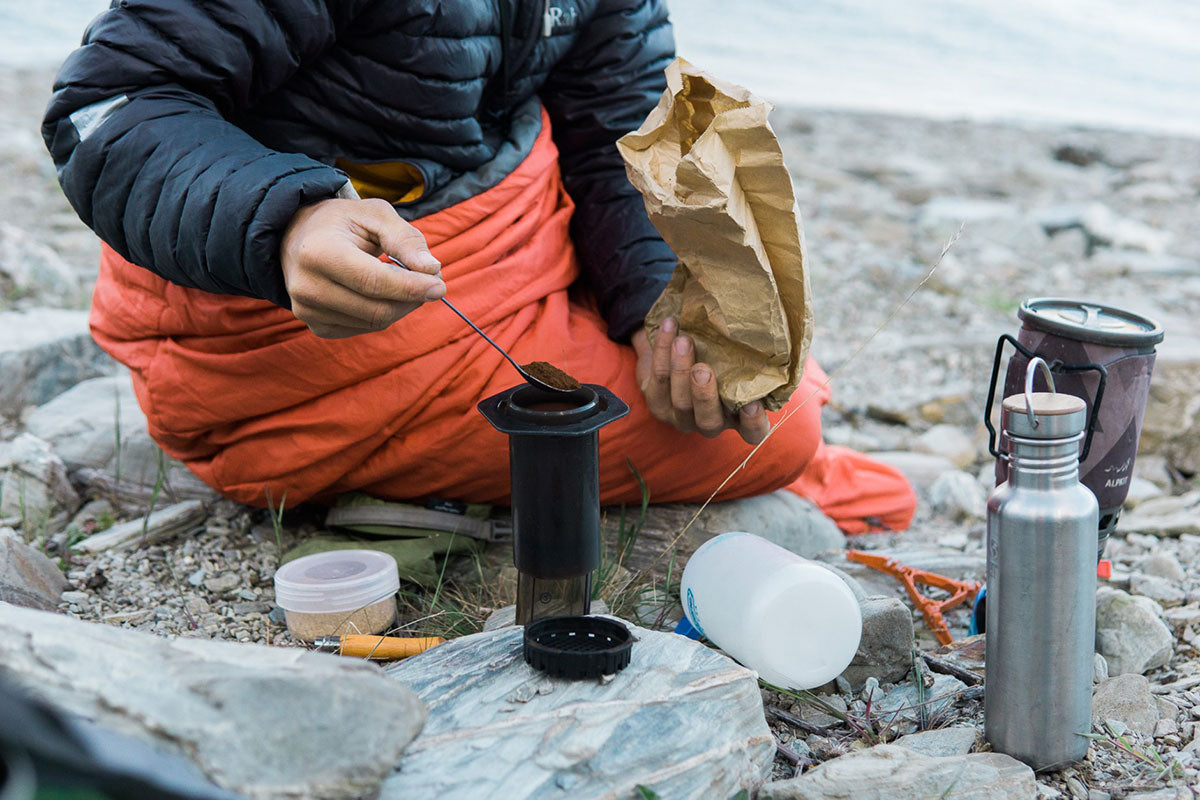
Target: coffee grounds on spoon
551, 375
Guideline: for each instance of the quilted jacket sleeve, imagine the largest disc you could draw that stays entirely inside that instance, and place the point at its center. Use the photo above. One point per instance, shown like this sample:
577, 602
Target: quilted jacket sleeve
605, 87
138, 131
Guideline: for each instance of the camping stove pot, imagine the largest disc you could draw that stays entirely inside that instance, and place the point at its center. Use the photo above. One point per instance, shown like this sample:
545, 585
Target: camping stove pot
554, 467
1041, 584
1103, 355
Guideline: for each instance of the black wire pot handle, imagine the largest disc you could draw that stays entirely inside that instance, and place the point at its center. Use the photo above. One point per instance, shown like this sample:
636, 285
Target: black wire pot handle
1055, 366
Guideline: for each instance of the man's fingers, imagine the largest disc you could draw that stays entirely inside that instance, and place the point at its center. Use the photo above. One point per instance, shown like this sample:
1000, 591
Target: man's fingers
330, 303
753, 424
657, 387
641, 346
334, 331
365, 275
397, 237
706, 406
682, 358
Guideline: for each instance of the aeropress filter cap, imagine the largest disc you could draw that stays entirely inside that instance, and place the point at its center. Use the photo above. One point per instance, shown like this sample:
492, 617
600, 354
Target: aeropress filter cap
577, 647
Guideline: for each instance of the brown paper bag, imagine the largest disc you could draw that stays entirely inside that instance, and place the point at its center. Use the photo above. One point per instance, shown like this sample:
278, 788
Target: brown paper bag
711, 172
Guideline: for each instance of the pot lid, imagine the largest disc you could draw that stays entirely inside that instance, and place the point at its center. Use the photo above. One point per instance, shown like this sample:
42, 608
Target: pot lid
1090, 322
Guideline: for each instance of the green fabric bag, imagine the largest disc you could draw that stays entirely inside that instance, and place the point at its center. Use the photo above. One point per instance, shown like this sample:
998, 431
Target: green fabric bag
414, 548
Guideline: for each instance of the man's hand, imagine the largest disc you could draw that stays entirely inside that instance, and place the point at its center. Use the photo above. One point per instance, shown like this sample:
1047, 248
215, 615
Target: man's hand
683, 393
337, 284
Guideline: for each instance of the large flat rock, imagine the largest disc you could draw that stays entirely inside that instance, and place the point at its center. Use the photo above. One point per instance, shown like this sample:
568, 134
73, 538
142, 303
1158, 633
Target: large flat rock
98, 425
266, 722
891, 772
681, 720
44, 352
27, 577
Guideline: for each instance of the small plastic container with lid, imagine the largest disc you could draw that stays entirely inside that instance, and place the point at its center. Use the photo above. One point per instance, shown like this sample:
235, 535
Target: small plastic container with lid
338, 592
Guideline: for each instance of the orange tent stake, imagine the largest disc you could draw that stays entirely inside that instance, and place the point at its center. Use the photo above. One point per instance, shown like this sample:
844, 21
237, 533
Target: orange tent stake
960, 591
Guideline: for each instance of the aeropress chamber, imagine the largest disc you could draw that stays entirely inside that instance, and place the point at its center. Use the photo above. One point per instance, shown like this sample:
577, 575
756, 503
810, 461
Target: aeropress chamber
555, 486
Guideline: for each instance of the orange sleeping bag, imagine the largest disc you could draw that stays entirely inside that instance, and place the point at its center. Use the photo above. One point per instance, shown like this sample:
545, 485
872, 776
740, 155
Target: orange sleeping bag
244, 394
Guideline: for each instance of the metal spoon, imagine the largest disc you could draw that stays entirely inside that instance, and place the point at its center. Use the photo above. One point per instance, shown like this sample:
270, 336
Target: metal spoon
530, 379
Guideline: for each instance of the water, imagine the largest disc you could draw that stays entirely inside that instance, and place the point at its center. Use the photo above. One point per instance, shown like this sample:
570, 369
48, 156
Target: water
1107, 63
39, 33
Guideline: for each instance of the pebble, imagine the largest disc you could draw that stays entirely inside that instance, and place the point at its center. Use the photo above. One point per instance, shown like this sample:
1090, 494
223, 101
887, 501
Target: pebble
1099, 669
1163, 564
951, 741
1047, 792
957, 495
196, 606
1125, 701
1129, 632
1165, 727
947, 441
1161, 590
1182, 616
222, 583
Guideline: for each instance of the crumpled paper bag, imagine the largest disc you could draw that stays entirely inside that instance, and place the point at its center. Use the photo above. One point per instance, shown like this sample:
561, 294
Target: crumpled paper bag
711, 173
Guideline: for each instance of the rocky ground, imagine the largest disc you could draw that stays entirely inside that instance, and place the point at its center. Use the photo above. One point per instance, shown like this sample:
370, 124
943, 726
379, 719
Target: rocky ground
1107, 216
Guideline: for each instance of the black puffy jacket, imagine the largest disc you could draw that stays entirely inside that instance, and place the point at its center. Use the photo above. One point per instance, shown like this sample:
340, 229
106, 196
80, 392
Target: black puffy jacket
188, 132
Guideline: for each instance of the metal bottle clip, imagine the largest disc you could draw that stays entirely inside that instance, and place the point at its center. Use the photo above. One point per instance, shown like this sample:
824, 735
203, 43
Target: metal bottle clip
1036, 363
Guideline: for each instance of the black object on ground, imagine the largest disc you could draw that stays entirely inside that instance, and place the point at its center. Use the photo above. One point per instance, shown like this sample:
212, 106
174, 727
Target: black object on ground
555, 478
577, 647
46, 751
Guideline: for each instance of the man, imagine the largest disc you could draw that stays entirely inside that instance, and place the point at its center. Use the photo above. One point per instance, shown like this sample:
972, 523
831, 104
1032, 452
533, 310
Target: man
247, 162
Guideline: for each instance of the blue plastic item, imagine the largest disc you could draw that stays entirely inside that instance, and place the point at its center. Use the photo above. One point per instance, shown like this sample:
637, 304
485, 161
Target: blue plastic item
979, 612
686, 628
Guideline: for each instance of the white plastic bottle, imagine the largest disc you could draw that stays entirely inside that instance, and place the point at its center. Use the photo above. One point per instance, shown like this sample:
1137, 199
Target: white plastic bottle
794, 622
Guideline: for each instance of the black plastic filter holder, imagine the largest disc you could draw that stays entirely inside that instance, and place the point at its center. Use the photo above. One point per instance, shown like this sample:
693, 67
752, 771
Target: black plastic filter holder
578, 648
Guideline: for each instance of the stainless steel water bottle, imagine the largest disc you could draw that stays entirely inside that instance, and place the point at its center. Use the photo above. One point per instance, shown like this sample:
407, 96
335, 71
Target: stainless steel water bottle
1041, 583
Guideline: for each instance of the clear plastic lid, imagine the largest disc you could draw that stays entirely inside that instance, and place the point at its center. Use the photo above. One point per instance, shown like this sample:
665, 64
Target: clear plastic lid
340, 580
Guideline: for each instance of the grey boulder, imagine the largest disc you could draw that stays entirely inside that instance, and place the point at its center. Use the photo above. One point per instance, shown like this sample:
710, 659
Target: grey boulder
98, 425
33, 482
891, 772
28, 578
1129, 633
44, 352
265, 722
782, 517
1126, 699
885, 649
681, 720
